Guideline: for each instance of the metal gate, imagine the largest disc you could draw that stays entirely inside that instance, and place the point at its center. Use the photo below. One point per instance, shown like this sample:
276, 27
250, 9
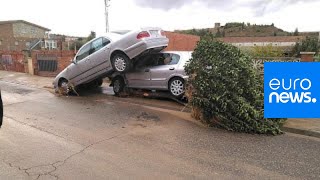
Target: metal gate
47, 62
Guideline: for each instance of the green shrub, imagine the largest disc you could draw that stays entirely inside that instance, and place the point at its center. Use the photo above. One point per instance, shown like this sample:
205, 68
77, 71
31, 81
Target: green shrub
225, 91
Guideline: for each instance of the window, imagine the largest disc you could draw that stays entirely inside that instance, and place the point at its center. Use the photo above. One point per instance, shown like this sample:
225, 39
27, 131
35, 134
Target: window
98, 44
16, 43
159, 59
168, 59
27, 44
50, 44
83, 53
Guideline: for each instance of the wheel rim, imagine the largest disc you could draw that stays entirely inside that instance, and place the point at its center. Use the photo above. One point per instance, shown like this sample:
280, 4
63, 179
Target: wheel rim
65, 87
177, 87
116, 86
120, 64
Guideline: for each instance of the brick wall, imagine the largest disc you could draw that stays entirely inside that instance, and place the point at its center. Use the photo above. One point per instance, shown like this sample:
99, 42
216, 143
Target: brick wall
181, 42
307, 56
63, 59
12, 61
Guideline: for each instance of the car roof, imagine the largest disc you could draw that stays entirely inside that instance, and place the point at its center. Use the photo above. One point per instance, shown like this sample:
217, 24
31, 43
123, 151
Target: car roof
113, 36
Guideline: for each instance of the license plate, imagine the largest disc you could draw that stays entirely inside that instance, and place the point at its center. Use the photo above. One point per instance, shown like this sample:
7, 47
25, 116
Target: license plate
154, 32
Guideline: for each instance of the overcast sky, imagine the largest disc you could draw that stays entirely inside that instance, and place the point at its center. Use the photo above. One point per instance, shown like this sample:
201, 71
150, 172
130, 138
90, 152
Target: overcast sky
79, 17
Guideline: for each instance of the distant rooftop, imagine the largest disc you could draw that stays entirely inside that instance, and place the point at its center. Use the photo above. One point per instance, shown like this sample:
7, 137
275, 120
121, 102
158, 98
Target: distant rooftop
26, 22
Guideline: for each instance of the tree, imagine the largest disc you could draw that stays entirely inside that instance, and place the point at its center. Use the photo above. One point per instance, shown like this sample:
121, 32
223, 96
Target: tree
310, 44
81, 41
296, 32
91, 36
225, 91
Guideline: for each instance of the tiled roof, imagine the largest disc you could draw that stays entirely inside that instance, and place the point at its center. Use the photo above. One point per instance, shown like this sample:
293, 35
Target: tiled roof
262, 39
26, 22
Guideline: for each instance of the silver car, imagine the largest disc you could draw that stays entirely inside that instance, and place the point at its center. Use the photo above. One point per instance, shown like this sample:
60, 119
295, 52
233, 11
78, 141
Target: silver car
158, 71
116, 51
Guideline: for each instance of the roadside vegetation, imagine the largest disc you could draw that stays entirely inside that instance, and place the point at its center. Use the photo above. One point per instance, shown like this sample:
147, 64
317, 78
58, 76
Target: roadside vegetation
310, 44
225, 91
81, 41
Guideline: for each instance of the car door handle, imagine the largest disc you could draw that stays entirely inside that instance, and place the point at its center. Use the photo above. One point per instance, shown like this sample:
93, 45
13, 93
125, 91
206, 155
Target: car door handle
171, 69
147, 70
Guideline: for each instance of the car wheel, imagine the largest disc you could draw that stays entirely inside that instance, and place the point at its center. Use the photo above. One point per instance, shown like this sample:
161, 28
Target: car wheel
121, 63
176, 87
118, 86
64, 87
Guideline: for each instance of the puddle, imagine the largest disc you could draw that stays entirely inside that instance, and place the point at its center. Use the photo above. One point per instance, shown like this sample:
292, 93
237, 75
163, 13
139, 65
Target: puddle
147, 117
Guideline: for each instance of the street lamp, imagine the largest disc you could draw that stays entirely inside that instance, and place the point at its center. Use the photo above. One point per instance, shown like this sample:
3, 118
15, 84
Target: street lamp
107, 4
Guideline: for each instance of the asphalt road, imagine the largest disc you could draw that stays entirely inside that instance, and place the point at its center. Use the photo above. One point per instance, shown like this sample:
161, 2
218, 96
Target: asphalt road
45, 136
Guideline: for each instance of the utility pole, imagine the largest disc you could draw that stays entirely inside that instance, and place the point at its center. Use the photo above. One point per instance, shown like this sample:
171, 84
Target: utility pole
107, 4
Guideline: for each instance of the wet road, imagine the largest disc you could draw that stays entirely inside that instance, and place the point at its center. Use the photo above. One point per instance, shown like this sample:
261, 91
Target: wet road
95, 136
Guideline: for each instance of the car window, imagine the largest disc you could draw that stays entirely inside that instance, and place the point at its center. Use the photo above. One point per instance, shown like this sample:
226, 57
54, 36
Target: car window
98, 44
84, 52
147, 61
167, 59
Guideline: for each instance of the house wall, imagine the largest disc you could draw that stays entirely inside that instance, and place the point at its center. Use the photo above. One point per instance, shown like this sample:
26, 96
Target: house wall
27, 31
18, 36
6, 30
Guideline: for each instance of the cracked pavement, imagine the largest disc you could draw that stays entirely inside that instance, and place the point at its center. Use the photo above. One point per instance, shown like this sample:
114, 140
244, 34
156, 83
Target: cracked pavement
95, 136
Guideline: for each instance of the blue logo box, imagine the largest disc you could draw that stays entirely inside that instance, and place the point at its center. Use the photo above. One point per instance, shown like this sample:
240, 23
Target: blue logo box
291, 90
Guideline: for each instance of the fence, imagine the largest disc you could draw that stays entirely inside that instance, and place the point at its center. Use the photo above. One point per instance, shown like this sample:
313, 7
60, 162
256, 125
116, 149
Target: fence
258, 63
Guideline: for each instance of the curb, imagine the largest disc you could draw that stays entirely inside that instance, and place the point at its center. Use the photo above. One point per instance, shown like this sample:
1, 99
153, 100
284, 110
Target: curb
301, 132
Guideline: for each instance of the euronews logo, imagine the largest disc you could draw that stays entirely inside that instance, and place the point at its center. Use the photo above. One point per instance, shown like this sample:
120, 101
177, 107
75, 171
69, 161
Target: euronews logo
295, 91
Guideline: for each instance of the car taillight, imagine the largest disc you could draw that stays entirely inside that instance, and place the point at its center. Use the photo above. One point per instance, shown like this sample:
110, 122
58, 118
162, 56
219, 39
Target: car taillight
143, 34
163, 33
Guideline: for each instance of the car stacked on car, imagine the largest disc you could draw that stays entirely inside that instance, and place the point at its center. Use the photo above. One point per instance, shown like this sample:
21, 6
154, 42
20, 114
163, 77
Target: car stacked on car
103, 55
132, 59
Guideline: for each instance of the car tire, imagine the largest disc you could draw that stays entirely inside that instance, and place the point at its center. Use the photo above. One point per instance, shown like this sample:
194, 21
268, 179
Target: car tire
99, 82
176, 87
118, 86
121, 63
64, 87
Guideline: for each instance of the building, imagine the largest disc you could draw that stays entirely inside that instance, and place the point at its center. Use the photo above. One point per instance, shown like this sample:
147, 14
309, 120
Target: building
276, 41
21, 35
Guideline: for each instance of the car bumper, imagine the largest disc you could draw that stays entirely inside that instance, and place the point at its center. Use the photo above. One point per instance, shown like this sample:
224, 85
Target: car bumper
148, 44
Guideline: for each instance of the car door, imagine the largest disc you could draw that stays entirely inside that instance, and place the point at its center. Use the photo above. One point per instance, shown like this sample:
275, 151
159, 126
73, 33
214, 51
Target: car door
140, 76
164, 70
98, 58
76, 71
